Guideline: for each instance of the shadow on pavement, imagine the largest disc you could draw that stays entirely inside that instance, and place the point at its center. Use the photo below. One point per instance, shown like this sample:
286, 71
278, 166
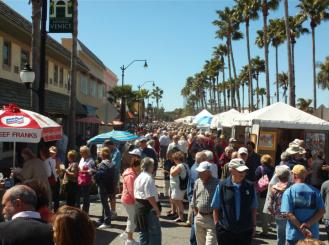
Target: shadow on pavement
104, 237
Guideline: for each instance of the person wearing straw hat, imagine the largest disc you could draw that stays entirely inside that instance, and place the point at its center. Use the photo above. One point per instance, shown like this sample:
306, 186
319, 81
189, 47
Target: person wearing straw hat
304, 207
295, 153
235, 205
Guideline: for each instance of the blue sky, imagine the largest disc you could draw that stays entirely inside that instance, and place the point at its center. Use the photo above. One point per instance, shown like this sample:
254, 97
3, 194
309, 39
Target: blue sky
176, 37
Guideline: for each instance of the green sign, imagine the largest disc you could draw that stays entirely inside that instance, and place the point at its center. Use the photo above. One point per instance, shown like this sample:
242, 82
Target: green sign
61, 16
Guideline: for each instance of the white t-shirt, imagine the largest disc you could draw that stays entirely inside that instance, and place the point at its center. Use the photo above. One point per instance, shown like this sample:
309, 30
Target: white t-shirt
183, 146
144, 187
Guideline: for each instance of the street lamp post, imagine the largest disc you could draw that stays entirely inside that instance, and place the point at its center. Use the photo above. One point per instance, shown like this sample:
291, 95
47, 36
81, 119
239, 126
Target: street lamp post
139, 88
27, 77
123, 102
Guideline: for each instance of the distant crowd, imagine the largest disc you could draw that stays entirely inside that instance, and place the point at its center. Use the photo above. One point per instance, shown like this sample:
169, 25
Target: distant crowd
230, 189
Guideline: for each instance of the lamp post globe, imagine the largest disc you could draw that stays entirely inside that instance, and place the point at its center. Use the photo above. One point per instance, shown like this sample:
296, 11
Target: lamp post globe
27, 75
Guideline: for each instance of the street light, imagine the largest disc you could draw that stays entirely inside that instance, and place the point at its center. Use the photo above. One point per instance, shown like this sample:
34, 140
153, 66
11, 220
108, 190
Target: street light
139, 88
27, 76
123, 104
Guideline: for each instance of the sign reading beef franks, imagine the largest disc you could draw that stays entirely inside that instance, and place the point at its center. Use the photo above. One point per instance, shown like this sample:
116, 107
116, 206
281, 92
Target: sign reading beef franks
61, 16
21, 135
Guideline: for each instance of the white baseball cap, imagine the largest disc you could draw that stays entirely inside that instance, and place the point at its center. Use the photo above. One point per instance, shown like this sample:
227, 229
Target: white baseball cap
136, 152
243, 150
238, 164
203, 166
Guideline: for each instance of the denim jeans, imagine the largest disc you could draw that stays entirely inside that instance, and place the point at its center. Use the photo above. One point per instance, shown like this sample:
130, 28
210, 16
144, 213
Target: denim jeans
151, 235
192, 234
106, 211
84, 193
281, 231
326, 223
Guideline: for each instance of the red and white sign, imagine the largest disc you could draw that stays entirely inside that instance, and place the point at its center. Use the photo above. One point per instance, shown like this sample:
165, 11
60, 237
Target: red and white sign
18, 125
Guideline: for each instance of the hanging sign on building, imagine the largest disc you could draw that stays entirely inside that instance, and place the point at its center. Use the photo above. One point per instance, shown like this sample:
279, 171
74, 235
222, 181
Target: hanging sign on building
61, 16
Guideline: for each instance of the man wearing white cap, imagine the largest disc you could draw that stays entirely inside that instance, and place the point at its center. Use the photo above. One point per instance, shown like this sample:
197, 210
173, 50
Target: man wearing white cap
203, 193
235, 205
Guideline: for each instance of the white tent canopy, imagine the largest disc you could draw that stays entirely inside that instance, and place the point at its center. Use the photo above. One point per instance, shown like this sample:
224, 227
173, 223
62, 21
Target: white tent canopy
201, 114
184, 120
225, 119
281, 115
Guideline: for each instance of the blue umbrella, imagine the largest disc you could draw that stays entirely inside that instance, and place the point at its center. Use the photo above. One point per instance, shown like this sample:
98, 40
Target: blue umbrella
113, 135
206, 120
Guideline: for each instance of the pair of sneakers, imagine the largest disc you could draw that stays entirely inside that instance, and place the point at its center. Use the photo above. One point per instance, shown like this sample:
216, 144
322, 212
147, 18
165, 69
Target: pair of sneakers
104, 226
124, 236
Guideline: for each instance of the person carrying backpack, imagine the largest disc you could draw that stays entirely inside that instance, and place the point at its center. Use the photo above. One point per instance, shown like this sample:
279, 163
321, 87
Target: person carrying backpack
178, 183
105, 180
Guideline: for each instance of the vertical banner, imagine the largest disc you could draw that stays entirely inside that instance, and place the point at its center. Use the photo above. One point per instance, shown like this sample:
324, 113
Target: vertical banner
61, 16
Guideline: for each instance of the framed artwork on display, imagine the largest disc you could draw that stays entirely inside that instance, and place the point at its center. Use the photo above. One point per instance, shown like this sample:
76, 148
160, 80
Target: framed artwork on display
315, 142
267, 140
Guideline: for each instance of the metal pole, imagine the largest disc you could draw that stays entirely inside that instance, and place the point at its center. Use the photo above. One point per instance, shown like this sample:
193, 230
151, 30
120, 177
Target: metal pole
41, 89
123, 102
73, 78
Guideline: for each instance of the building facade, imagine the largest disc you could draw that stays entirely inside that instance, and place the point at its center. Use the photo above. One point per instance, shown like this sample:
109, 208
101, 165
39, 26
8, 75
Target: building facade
15, 51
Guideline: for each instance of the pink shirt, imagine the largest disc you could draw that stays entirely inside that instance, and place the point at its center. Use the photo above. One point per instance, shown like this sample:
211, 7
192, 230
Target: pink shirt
129, 177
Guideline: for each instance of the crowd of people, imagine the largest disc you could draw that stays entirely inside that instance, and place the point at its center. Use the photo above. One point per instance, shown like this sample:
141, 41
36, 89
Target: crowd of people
230, 189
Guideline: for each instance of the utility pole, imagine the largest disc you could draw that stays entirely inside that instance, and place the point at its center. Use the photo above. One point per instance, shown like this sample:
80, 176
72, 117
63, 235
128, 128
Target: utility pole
43, 39
36, 18
73, 77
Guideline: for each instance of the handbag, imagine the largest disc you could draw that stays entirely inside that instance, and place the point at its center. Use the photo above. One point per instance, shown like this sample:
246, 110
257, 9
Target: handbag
263, 182
51, 179
84, 178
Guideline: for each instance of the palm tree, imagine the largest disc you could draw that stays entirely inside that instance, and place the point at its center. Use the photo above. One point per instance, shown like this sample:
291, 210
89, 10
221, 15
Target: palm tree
292, 92
323, 74
296, 30
219, 53
157, 94
266, 6
316, 11
247, 10
304, 105
243, 80
261, 92
257, 67
228, 28
283, 83
277, 35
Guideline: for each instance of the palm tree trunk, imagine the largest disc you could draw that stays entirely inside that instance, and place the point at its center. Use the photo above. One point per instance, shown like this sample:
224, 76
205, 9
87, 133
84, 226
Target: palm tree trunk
229, 71
277, 73
292, 93
250, 87
262, 96
214, 92
267, 73
243, 96
218, 94
257, 89
314, 71
224, 94
235, 91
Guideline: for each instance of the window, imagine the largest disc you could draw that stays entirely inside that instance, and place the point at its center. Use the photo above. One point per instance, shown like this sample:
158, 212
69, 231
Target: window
93, 88
55, 74
84, 84
61, 77
25, 58
6, 53
100, 92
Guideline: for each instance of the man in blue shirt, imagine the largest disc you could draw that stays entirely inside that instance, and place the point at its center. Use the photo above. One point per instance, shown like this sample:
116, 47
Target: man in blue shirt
148, 152
116, 159
304, 207
235, 205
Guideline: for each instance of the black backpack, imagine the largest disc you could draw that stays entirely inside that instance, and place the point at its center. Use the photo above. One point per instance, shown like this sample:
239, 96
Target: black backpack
104, 177
183, 182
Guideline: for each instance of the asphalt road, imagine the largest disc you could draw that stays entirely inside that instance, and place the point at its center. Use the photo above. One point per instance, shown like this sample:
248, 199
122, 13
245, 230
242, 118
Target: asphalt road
172, 233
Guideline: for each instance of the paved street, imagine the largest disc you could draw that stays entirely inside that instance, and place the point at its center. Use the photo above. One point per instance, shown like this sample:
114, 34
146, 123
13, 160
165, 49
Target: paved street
172, 233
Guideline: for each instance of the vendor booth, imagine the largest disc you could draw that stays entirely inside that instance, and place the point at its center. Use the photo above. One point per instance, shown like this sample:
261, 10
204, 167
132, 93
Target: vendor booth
225, 121
273, 127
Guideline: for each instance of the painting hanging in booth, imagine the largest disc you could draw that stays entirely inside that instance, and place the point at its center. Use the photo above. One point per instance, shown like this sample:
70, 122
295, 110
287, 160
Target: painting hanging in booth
315, 142
267, 140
